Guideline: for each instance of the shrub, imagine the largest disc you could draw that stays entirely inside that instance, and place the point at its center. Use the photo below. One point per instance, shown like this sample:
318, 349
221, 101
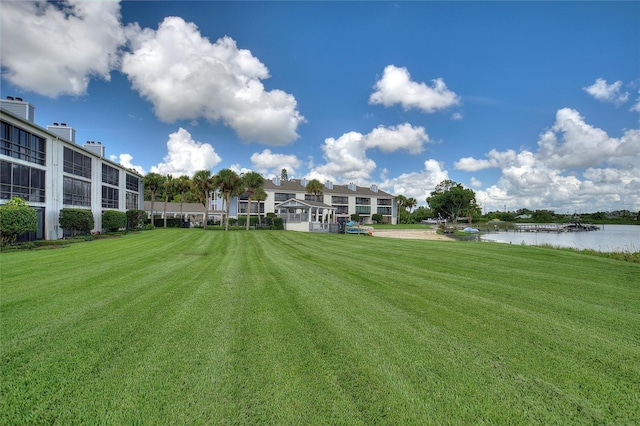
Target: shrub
135, 218
113, 220
242, 221
76, 220
149, 227
16, 218
277, 223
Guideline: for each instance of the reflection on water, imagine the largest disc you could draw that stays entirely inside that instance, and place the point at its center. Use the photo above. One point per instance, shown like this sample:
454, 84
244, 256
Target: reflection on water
610, 238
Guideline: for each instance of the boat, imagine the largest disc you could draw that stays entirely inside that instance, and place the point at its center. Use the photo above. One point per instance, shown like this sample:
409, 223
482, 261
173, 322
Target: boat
355, 228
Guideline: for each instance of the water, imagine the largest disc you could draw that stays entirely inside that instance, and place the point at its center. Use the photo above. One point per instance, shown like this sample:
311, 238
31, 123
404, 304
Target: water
610, 238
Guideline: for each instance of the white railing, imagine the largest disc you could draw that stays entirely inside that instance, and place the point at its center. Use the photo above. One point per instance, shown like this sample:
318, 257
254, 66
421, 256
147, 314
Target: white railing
293, 217
318, 227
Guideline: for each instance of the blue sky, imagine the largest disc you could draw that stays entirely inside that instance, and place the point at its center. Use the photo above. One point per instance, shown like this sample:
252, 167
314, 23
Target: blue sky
530, 104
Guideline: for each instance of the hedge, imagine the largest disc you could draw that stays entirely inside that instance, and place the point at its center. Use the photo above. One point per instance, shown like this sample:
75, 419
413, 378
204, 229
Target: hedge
76, 220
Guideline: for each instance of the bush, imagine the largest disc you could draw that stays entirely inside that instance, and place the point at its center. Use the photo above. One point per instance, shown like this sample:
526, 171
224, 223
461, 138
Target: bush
76, 220
135, 218
16, 218
277, 223
149, 227
242, 221
113, 220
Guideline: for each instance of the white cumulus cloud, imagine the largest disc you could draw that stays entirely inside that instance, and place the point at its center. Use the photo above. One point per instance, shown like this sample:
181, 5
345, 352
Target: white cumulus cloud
56, 48
346, 157
636, 107
405, 136
186, 156
418, 185
572, 142
268, 163
126, 160
185, 76
577, 167
602, 91
396, 87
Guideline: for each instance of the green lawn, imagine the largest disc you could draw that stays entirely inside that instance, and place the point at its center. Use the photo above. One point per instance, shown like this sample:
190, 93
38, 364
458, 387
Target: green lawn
188, 326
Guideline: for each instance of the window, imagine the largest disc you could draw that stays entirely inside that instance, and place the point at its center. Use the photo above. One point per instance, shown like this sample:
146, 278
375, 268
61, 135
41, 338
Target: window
313, 197
132, 201
363, 201
76, 192
18, 143
21, 181
76, 163
384, 201
384, 210
110, 175
281, 196
336, 199
342, 210
110, 197
363, 209
133, 183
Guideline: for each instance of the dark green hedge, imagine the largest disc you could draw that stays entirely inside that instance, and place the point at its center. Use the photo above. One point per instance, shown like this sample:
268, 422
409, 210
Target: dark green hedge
76, 220
113, 220
16, 220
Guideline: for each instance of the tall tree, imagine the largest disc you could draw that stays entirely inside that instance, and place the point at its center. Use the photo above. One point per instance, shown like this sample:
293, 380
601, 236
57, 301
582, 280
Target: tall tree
202, 185
411, 203
283, 175
251, 181
260, 195
181, 186
168, 190
153, 182
229, 183
401, 202
314, 186
450, 198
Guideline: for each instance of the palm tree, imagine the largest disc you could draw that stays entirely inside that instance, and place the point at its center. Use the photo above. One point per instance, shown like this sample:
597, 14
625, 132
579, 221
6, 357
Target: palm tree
182, 185
314, 187
168, 189
251, 182
401, 201
410, 204
153, 181
202, 185
260, 195
229, 183
283, 175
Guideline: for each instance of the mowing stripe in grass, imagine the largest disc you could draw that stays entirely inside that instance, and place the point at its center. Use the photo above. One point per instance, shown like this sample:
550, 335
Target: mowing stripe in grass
194, 326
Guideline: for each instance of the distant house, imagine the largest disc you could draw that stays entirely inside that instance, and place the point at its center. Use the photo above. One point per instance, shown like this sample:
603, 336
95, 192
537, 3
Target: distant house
192, 214
336, 203
343, 200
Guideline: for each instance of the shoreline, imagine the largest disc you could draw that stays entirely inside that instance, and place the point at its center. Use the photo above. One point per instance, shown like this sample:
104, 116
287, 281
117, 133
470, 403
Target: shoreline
414, 234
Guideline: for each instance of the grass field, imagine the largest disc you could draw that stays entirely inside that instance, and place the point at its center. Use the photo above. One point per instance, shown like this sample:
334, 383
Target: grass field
187, 326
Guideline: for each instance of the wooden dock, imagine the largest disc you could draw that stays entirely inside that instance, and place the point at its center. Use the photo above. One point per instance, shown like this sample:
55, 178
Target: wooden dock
554, 227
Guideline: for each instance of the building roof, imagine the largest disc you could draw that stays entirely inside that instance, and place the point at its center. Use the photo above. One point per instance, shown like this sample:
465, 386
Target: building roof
299, 185
293, 202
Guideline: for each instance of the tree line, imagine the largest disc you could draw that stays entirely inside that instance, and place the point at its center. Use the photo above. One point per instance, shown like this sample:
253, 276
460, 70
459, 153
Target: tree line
199, 188
451, 201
